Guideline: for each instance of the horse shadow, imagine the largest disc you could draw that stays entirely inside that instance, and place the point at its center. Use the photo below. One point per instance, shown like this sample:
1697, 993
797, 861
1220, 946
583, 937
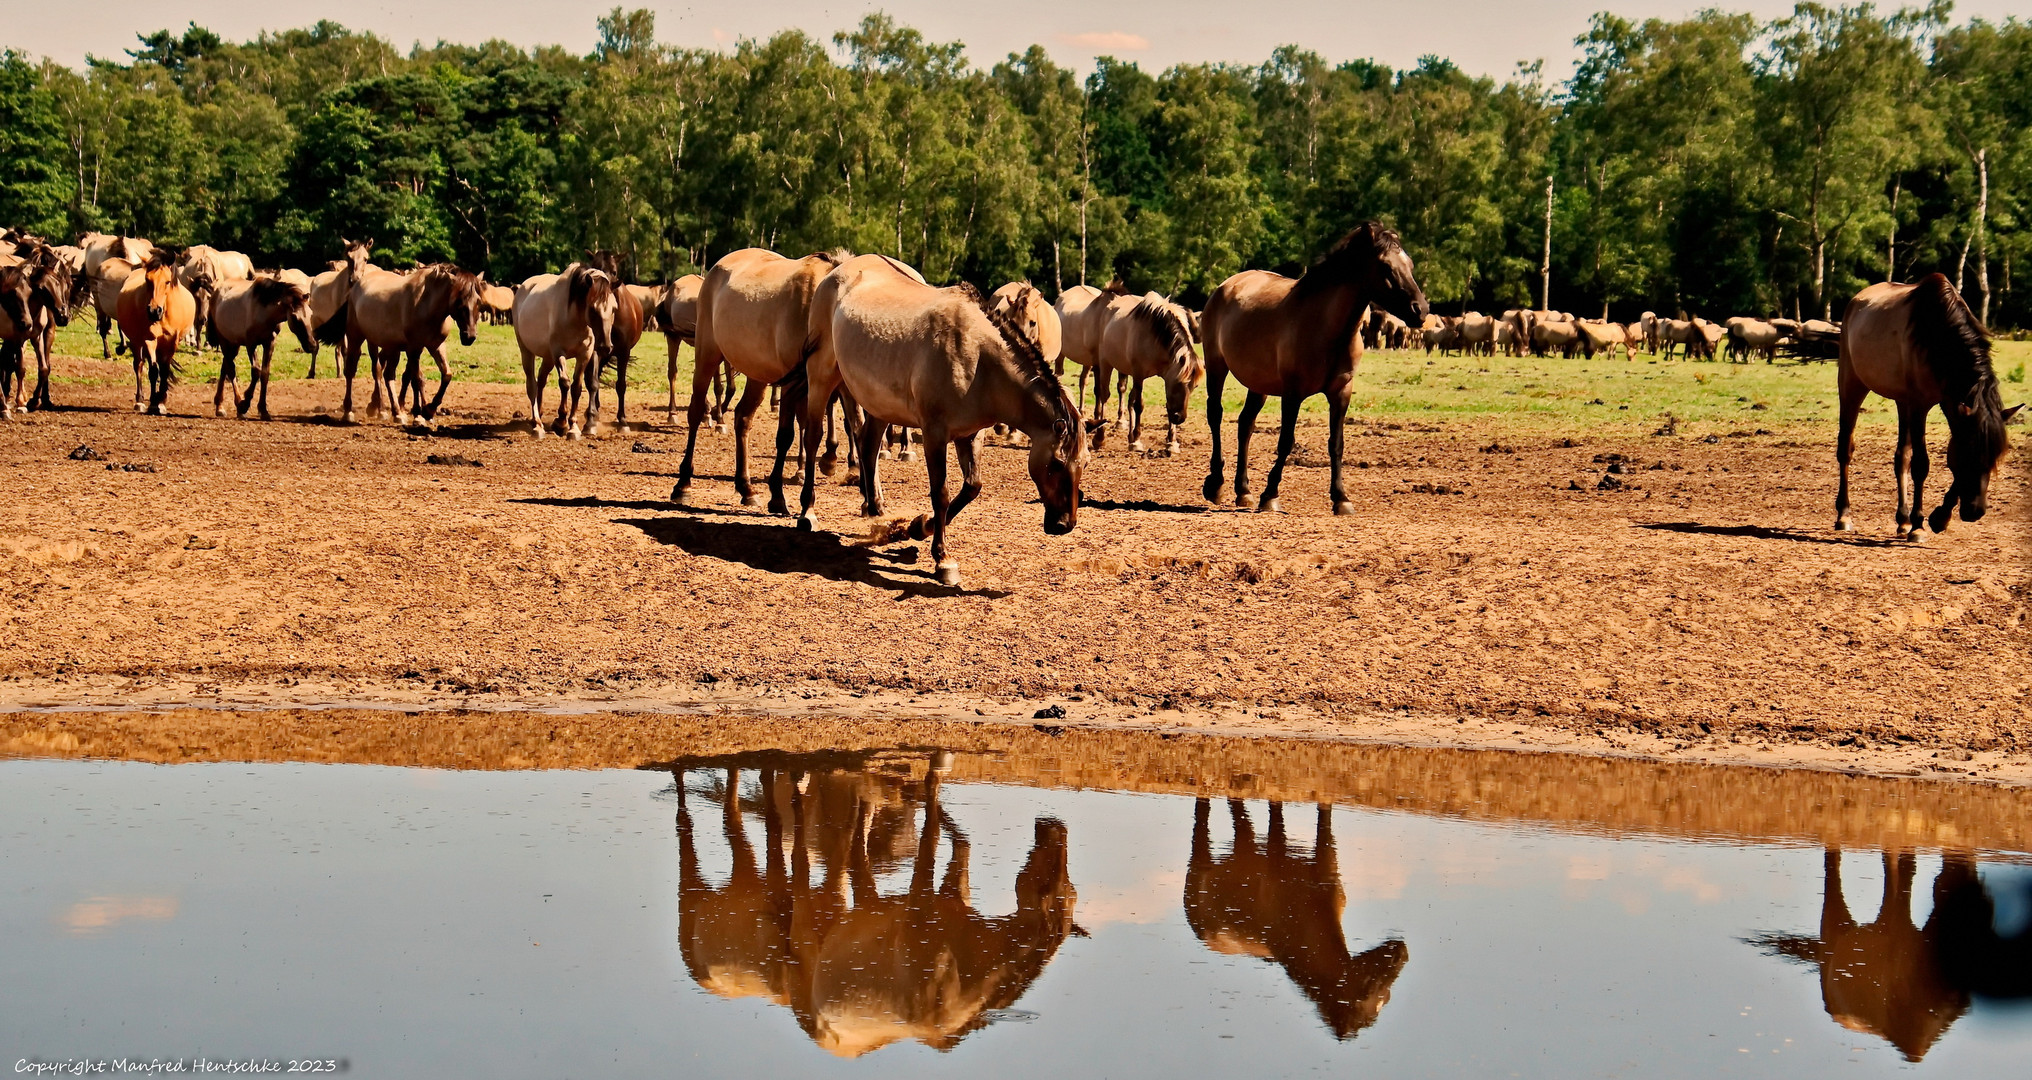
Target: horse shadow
502, 432
1759, 532
780, 549
1143, 506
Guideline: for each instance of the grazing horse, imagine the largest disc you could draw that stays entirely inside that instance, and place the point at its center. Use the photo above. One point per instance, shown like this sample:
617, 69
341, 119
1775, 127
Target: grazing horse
944, 361
247, 315
407, 313
1147, 336
1297, 338
1264, 899
155, 311
1477, 334
752, 311
559, 317
1920, 346
39, 291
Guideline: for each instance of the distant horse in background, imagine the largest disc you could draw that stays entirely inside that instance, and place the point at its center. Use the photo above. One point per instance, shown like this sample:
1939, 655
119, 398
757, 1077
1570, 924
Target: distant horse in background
155, 311
1083, 318
630, 318
1298, 337
1920, 346
676, 316
1147, 336
202, 269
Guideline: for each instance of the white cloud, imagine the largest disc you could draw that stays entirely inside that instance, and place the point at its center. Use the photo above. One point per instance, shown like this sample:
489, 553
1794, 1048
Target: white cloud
1107, 41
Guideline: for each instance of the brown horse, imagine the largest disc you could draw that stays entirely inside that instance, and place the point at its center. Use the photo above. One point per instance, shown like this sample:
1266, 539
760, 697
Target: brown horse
944, 361
248, 315
155, 311
1264, 899
559, 317
631, 317
39, 291
1297, 338
398, 314
1147, 336
1920, 346
752, 313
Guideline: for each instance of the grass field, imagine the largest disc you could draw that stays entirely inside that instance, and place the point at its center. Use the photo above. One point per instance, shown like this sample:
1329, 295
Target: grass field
1534, 393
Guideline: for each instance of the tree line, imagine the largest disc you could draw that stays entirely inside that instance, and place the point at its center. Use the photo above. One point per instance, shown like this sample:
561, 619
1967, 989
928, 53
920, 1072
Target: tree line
1716, 164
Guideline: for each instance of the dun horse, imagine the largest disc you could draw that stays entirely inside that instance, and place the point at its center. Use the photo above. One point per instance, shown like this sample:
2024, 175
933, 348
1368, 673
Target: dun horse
36, 296
404, 314
752, 312
559, 317
155, 311
944, 361
1147, 336
1920, 346
631, 316
248, 315
1297, 338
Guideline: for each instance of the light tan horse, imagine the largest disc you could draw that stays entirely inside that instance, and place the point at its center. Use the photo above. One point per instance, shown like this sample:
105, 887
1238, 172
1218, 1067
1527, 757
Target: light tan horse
1477, 334
1267, 900
1602, 337
155, 311
411, 314
675, 315
1083, 318
248, 315
752, 312
559, 317
1147, 337
106, 282
941, 360
329, 292
1298, 337
1920, 346
98, 247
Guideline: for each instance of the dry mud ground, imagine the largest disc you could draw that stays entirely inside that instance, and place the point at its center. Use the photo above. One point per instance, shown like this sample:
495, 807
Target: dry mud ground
1490, 593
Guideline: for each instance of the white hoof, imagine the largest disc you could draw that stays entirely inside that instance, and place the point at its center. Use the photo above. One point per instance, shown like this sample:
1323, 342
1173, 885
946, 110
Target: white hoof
949, 573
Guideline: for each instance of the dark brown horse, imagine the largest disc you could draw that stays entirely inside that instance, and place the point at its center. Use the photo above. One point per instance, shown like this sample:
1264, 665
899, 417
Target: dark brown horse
630, 319
1296, 338
36, 296
1920, 346
1268, 900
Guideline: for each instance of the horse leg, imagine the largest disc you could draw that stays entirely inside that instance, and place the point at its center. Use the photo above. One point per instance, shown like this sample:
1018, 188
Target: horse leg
1135, 396
1245, 428
1287, 433
267, 359
45, 346
227, 371
947, 568
444, 382
671, 344
165, 355
819, 390
1121, 396
789, 421
1216, 384
1852, 393
105, 324
10, 365
829, 462
534, 372
1901, 468
871, 477
970, 474
1099, 424
568, 404
1919, 466
744, 418
703, 369
1336, 427
351, 367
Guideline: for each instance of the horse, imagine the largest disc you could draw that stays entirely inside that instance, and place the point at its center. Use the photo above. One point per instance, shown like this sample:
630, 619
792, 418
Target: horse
1022, 302
1514, 331
98, 247
1603, 337
329, 292
202, 269
105, 286
1265, 899
631, 317
559, 317
412, 313
247, 315
155, 311
1477, 334
1920, 346
944, 361
497, 303
1295, 338
752, 312
1147, 336
41, 290
1083, 318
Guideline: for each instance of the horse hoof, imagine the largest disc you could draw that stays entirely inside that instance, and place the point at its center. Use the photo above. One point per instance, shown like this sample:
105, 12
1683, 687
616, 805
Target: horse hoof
807, 522
1170, 450
348, 418
1344, 509
907, 455
779, 506
1844, 525
751, 500
949, 574
574, 435
677, 494
1919, 535
1212, 490
143, 409
673, 420
828, 465
536, 433
920, 527
884, 454
1245, 502
1271, 505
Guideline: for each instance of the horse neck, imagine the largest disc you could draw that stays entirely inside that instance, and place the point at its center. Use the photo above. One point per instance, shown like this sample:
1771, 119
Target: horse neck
1338, 308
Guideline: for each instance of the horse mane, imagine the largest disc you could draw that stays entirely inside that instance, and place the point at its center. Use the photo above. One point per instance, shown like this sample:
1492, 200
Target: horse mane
832, 258
587, 284
1165, 322
1957, 348
1345, 260
160, 258
270, 289
1030, 355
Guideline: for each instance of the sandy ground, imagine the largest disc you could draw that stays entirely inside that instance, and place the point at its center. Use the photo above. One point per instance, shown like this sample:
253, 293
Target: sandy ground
1491, 592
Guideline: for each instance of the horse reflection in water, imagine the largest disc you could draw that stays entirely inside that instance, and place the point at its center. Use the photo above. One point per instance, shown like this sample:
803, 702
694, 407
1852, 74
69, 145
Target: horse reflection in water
858, 968
1269, 900
1900, 980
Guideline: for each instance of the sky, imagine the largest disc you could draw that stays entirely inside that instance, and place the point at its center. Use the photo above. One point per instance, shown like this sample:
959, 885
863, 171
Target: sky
1482, 37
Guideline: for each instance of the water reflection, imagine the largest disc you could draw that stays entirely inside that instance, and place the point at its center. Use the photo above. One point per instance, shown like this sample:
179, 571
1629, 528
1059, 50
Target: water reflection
1901, 980
858, 967
1271, 900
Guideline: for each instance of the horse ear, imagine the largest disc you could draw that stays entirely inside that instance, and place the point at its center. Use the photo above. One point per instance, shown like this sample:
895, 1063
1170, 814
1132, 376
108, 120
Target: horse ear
1965, 408
2012, 411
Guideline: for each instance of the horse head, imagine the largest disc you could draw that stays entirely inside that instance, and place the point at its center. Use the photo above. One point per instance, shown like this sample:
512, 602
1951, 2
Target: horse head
52, 285
467, 290
1056, 463
1957, 348
592, 291
1172, 328
159, 272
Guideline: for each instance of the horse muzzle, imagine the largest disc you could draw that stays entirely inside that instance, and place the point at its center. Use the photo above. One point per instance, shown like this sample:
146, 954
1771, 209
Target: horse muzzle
155, 314
467, 338
1058, 524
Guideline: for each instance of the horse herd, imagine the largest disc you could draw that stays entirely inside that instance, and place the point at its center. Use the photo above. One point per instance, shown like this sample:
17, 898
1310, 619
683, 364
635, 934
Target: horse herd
865, 339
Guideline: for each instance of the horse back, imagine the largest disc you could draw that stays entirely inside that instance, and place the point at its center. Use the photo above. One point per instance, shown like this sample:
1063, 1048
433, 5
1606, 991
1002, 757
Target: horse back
1877, 347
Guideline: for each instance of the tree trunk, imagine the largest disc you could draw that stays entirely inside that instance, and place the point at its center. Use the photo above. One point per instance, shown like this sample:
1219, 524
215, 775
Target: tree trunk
1891, 239
1982, 223
1545, 265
